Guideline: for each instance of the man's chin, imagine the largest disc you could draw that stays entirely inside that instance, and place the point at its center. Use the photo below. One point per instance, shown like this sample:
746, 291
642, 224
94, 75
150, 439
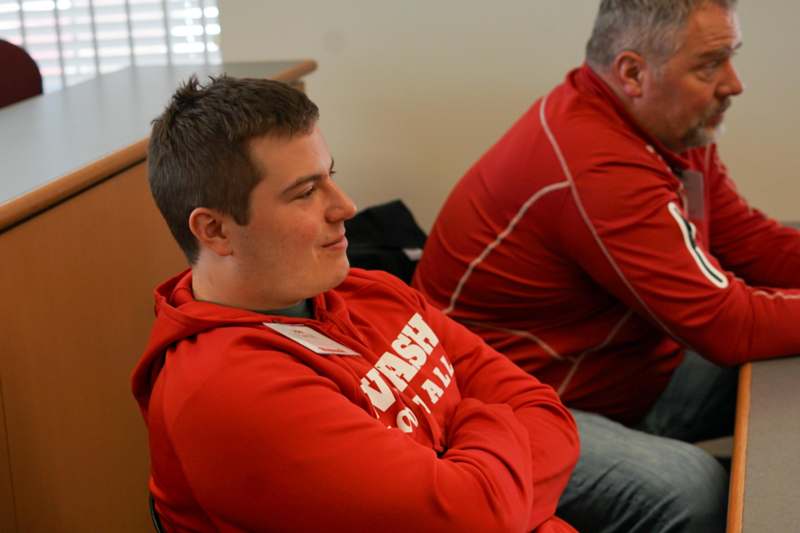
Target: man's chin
703, 136
339, 273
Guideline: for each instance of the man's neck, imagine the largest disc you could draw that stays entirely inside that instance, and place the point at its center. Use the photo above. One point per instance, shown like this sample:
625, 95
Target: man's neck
216, 285
613, 84
302, 309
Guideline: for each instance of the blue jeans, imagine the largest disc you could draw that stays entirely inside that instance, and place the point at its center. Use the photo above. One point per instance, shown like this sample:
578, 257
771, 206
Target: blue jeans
648, 479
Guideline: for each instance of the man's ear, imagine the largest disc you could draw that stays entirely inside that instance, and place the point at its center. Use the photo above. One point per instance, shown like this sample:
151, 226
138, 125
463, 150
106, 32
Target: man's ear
630, 71
211, 229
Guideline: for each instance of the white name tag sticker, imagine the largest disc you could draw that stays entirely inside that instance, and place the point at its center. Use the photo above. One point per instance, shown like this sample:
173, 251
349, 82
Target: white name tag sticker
311, 339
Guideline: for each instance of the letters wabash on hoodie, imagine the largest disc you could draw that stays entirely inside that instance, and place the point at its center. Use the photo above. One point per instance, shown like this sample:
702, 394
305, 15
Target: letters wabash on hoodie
424, 429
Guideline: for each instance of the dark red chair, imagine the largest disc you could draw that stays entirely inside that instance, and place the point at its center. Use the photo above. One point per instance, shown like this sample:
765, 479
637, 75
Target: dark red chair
19, 75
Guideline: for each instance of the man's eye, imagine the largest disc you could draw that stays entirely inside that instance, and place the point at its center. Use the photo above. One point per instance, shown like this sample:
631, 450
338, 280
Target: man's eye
708, 70
308, 192
713, 65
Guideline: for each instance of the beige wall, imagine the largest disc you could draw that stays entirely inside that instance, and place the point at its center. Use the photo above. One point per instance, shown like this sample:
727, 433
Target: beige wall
412, 92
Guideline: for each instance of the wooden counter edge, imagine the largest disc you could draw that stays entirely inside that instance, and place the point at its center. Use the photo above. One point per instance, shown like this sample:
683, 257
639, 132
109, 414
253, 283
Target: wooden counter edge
739, 462
29, 204
50, 194
295, 72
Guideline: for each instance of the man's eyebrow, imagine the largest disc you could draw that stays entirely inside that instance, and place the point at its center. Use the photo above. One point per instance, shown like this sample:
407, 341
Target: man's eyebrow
302, 181
305, 179
721, 53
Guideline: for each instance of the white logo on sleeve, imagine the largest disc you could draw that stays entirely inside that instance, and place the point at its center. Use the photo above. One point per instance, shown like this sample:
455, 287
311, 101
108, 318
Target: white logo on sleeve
689, 232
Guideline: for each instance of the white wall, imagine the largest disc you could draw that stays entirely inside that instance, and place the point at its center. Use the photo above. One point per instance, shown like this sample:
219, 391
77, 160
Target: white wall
412, 92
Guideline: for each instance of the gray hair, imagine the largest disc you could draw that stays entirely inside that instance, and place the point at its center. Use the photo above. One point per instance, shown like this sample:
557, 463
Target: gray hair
649, 27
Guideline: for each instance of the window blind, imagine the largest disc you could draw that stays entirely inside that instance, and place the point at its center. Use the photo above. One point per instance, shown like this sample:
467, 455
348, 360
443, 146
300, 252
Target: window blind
73, 40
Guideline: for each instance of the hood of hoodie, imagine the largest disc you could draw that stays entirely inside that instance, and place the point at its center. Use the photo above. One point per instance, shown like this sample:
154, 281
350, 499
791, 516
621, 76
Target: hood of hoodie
180, 316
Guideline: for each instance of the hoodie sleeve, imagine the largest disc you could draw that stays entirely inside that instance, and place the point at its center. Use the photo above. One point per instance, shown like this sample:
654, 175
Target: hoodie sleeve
757, 248
633, 236
312, 458
486, 375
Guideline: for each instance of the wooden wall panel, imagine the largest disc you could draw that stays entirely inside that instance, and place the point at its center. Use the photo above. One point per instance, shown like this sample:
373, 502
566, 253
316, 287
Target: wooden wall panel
77, 283
7, 511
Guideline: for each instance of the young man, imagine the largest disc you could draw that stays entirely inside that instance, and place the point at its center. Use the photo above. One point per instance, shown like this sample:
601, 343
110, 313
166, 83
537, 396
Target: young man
283, 391
601, 246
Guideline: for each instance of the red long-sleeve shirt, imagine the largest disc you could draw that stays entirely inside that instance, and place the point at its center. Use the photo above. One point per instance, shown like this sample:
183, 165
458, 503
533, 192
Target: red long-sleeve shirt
589, 254
422, 428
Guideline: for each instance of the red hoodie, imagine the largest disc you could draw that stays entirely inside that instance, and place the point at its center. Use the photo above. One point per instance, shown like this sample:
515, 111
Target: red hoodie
425, 429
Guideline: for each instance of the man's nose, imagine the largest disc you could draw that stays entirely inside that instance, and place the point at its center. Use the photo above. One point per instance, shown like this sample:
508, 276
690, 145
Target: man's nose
341, 207
731, 84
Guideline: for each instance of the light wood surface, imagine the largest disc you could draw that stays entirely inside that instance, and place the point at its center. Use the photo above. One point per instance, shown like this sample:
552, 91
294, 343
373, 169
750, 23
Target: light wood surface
766, 462
772, 469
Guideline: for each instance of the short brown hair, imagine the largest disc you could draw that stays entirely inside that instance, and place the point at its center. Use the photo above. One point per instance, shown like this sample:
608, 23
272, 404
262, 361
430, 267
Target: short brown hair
648, 27
198, 151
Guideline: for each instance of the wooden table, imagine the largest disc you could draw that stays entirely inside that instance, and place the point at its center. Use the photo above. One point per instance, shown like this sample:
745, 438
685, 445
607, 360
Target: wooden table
766, 458
82, 246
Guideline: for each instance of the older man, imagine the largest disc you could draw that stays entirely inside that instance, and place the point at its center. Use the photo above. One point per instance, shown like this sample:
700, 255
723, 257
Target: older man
601, 245
284, 392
